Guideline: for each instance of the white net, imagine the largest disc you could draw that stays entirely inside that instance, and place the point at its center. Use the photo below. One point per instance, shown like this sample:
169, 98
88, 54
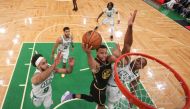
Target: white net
152, 83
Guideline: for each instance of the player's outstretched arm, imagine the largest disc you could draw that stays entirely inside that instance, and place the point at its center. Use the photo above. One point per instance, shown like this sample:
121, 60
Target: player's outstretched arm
99, 16
91, 62
128, 40
40, 77
66, 70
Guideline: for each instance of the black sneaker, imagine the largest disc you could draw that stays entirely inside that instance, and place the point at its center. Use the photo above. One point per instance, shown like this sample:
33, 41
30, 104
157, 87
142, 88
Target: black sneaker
111, 37
95, 28
76, 9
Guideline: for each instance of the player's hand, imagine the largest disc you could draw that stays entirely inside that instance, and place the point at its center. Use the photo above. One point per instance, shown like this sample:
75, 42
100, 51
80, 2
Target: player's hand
132, 18
118, 21
58, 59
71, 61
86, 48
56, 70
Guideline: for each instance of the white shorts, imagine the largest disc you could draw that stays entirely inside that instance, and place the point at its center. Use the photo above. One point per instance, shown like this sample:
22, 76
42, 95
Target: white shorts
46, 100
109, 21
113, 94
65, 55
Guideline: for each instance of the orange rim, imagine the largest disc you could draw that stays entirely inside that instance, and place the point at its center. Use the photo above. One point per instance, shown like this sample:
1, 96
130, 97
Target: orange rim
132, 98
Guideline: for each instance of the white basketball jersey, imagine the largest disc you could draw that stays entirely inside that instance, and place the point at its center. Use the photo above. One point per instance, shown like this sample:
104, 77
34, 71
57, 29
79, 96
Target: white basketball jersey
125, 73
66, 42
44, 87
110, 13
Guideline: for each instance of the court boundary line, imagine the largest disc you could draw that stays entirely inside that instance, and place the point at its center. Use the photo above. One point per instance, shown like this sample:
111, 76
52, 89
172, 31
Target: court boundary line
76, 99
2, 104
27, 76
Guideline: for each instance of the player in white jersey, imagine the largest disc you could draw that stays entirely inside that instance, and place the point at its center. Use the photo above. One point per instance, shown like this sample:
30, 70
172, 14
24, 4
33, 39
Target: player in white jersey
41, 80
62, 45
110, 11
128, 70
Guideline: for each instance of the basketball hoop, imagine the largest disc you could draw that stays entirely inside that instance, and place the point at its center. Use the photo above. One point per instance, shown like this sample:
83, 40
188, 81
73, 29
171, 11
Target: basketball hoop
165, 94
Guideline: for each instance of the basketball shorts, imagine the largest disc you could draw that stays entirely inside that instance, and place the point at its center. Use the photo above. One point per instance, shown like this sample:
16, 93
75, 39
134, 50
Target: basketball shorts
109, 21
113, 93
46, 100
65, 55
99, 95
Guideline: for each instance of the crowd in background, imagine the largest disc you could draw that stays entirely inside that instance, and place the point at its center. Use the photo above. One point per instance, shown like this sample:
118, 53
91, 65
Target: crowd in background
180, 6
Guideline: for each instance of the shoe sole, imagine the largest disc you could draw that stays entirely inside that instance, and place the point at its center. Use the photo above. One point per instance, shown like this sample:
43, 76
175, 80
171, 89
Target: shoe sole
64, 96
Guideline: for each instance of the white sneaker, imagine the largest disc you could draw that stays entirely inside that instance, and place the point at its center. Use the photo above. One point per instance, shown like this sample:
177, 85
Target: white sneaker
66, 96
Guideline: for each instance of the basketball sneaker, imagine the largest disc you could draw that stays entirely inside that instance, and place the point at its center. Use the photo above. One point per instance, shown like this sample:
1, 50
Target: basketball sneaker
66, 96
111, 37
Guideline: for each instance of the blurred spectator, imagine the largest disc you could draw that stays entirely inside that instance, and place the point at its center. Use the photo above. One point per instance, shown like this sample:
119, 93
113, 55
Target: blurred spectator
170, 4
180, 6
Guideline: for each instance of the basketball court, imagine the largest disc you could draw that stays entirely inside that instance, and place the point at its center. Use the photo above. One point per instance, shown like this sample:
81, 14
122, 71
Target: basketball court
29, 26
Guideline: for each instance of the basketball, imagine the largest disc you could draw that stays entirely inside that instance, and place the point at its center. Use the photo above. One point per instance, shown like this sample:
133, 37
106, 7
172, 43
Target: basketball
92, 38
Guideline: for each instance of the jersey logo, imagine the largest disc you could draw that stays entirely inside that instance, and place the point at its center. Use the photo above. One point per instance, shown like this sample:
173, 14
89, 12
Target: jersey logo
106, 73
46, 83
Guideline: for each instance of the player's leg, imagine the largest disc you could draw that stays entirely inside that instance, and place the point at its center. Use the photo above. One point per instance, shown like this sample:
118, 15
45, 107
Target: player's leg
68, 95
99, 96
105, 21
48, 101
113, 96
109, 97
111, 22
65, 58
108, 94
89, 98
133, 87
37, 101
75, 8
